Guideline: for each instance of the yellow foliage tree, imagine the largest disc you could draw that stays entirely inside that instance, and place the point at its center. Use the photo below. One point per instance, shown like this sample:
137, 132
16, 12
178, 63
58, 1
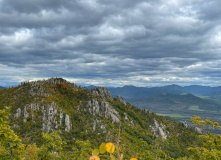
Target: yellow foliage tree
10, 143
211, 148
109, 149
31, 152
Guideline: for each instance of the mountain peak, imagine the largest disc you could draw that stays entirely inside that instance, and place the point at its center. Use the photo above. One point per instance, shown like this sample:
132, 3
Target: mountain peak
50, 81
129, 86
101, 92
173, 86
41, 87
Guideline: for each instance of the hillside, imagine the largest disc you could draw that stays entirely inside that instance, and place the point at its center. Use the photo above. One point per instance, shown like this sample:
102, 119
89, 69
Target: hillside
180, 106
1, 87
94, 115
138, 92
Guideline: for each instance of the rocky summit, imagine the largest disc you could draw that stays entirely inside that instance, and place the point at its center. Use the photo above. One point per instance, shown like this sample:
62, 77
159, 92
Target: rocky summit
93, 115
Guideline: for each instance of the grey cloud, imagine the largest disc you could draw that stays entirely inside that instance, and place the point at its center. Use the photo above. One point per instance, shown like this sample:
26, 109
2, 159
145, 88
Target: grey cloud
208, 10
35, 6
134, 41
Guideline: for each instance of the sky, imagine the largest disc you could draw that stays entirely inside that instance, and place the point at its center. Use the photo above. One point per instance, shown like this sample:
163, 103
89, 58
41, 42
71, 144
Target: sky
111, 42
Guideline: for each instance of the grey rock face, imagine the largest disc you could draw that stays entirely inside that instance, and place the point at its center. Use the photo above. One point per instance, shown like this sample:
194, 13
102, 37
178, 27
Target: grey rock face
50, 114
109, 112
49, 117
18, 113
126, 117
121, 100
35, 106
61, 117
130, 122
101, 92
185, 124
103, 108
197, 129
94, 107
103, 128
67, 123
158, 130
37, 89
94, 126
100, 125
26, 114
162, 134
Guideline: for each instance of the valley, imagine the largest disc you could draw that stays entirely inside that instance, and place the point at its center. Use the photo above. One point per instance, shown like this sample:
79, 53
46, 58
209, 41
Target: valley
180, 107
176, 102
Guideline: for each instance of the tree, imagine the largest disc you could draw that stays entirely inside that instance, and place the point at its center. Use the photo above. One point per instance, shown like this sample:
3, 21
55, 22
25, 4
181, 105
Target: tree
82, 150
53, 145
211, 148
10, 143
106, 151
31, 152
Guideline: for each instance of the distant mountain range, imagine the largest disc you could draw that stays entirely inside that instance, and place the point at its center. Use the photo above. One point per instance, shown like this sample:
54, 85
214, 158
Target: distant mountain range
91, 87
1, 87
135, 92
176, 102
180, 106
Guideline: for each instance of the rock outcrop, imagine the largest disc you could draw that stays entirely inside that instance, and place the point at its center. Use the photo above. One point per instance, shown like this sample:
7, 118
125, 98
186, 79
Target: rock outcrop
100, 125
185, 124
128, 121
101, 92
67, 123
158, 130
51, 116
18, 113
197, 129
121, 100
26, 114
105, 108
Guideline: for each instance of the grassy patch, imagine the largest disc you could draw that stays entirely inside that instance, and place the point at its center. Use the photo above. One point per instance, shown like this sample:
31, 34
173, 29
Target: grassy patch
203, 97
174, 115
195, 108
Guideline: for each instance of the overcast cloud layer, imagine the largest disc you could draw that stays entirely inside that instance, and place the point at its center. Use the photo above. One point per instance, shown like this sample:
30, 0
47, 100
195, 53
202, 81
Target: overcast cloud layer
111, 42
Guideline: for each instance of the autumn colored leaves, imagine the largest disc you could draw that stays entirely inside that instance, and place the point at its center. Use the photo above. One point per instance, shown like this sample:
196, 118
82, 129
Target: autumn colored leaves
107, 148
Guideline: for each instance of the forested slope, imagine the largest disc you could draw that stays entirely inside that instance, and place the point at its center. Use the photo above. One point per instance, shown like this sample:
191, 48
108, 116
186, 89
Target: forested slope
92, 116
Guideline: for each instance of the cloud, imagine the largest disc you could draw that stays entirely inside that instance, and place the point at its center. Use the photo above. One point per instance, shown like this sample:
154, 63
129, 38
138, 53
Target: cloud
113, 42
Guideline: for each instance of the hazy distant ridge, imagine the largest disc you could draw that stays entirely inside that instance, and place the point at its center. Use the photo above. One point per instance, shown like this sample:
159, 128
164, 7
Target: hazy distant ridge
134, 92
